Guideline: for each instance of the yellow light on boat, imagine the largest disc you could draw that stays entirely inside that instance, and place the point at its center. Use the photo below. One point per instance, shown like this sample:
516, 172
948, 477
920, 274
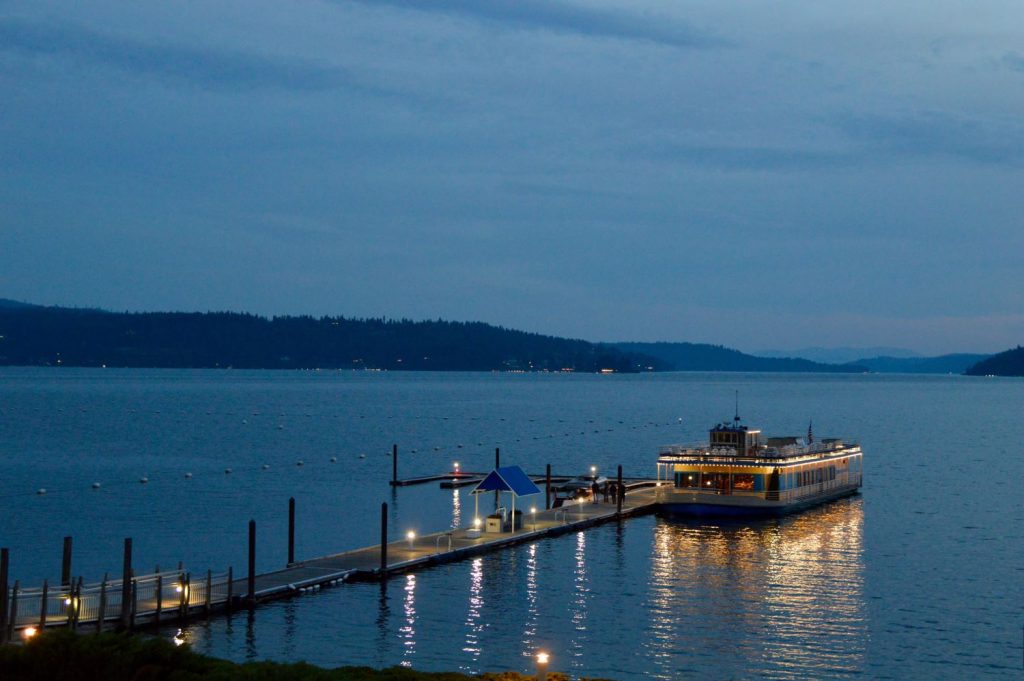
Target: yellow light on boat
29, 632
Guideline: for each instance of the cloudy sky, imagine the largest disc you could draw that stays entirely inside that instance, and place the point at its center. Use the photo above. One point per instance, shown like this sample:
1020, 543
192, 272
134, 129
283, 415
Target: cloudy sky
760, 174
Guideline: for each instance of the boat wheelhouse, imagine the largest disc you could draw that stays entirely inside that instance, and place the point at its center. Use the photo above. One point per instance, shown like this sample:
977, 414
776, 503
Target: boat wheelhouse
737, 473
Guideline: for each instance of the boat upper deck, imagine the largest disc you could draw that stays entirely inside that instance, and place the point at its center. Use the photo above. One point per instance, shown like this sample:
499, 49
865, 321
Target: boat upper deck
788, 451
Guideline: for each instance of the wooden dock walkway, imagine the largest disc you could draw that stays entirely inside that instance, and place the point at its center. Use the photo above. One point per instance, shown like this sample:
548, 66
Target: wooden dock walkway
179, 596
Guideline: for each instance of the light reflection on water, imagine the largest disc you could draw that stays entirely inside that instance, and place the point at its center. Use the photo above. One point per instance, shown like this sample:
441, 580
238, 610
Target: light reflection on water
798, 582
407, 632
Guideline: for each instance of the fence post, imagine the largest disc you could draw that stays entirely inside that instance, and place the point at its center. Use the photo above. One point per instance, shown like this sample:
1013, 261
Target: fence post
126, 584
231, 583
209, 590
159, 597
4, 564
103, 605
42, 606
135, 603
252, 564
291, 530
383, 540
65, 563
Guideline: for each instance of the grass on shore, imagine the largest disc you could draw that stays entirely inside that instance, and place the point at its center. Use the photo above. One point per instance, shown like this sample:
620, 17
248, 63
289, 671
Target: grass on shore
60, 655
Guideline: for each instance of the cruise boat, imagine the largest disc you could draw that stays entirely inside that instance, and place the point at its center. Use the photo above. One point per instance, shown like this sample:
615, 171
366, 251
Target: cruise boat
738, 474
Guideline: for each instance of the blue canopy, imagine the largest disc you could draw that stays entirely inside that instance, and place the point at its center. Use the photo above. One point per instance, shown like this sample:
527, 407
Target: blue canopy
507, 479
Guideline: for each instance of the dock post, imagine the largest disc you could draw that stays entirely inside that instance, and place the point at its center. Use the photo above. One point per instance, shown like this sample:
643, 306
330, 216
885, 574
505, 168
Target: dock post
497, 465
619, 492
394, 465
65, 563
383, 541
184, 582
135, 601
252, 564
126, 584
4, 564
291, 530
42, 604
547, 491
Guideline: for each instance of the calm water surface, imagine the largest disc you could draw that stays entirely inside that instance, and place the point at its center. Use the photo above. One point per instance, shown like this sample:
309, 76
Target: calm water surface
920, 576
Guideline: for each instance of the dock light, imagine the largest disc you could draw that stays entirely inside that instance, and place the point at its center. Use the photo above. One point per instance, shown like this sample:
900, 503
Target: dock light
533, 514
67, 600
456, 465
411, 536
542, 666
179, 588
29, 632
593, 470
476, 523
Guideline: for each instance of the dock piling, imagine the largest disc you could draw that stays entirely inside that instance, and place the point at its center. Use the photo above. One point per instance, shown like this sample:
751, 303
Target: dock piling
291, 531
547, 492
14, 610
126, 584
65, 563
251, 594
619, 492
4, 565
159, 598
42, 604
383, 540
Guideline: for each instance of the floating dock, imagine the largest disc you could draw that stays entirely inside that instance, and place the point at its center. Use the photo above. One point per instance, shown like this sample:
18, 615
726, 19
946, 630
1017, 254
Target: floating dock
177, 596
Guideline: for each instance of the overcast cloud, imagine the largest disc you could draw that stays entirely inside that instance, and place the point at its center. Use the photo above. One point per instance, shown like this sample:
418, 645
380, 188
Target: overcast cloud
768, 175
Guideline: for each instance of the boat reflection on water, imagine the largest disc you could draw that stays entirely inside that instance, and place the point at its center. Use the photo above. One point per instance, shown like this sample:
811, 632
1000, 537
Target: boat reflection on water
798, 581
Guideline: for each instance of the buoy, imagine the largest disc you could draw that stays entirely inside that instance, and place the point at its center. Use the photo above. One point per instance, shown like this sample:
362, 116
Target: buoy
41, 490
143, 480
266, 466
188, 476
280, 427
299, 462
334, 459
95, 485
227, 471
362, 456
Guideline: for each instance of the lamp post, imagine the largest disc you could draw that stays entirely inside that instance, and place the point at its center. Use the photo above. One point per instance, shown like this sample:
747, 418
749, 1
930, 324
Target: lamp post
542, 666
533, 515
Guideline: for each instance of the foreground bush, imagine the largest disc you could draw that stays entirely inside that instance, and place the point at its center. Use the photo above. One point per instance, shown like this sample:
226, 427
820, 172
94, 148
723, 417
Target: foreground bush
63, 656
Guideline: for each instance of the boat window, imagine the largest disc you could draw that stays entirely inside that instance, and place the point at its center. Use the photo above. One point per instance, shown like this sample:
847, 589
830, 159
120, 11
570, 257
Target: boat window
743, 481
688, 479
714, 481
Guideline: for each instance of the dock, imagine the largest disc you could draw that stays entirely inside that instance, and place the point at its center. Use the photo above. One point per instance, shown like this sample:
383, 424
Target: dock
178, 596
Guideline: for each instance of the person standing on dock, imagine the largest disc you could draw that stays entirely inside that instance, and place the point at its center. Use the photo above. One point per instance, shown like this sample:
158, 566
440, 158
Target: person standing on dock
595, 489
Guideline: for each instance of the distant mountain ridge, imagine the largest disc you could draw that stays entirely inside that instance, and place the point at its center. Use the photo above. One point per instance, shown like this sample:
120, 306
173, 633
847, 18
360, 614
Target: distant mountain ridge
704, 357
943, 364
840, 355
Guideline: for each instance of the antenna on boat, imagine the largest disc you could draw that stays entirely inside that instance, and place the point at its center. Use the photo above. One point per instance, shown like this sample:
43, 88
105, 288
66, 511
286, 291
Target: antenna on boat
736, 418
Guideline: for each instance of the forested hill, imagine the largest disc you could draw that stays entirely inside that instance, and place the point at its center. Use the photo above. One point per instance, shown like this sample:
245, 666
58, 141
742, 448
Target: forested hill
703, 357
1009, 363
49, 336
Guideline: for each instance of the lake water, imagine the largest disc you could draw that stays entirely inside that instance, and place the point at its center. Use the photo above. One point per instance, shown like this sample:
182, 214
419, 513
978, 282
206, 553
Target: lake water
920, 576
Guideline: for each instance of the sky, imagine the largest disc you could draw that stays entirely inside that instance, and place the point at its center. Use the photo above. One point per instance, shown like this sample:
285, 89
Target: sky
758, 175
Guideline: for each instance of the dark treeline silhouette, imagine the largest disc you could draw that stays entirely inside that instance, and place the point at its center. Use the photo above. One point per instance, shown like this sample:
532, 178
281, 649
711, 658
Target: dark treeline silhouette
1008, 363
49, 336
